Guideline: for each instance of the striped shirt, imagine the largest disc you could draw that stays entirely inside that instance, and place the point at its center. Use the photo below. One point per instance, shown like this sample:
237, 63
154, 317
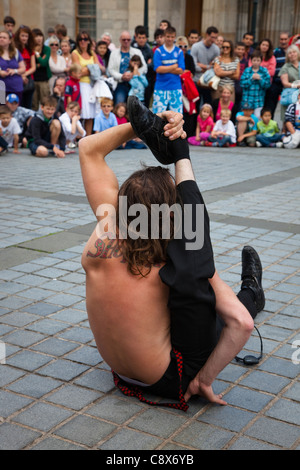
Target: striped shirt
227, 67
292, 115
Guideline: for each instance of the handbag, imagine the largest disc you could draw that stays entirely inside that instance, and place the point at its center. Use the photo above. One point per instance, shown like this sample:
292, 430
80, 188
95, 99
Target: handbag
29, 85
290, 95
209, 79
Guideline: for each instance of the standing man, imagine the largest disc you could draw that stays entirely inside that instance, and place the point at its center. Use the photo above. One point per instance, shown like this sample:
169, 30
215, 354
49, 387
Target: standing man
118, 67
169, 64
276, 87
192, 38
248, 40
204, 53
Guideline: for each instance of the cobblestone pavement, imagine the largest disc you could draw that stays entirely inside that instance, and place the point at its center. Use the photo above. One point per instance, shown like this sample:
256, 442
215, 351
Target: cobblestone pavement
56, 392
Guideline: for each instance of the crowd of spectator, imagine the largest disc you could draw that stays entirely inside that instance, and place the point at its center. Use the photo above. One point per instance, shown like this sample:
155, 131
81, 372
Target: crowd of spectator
58, 90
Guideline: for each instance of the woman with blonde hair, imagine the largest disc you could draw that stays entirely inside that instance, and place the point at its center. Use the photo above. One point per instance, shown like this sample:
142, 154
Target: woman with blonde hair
85, 56
57, 63
225, 101
12, 66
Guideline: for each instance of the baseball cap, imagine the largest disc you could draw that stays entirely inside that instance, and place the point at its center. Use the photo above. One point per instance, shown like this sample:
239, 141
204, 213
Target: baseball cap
12, 98
248, 106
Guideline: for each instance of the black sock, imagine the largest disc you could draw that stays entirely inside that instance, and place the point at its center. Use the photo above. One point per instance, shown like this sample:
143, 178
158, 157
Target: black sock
247, 297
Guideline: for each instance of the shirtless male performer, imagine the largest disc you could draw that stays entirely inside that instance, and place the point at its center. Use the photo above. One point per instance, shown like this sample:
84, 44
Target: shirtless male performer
154, 305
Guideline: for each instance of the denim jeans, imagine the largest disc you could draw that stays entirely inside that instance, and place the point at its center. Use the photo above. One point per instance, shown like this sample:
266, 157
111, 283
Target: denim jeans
221, 141
121, 92
266, 141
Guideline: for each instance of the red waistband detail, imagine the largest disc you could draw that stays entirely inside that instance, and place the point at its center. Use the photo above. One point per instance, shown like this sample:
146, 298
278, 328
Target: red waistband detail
135, 391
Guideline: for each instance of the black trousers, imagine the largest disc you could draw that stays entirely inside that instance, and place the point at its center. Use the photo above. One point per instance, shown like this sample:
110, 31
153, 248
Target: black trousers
195, 326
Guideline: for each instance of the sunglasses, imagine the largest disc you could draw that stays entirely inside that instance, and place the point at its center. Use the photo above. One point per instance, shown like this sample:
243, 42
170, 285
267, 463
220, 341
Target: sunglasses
182, 46
84, 39
126, 39
52, 45
226, 47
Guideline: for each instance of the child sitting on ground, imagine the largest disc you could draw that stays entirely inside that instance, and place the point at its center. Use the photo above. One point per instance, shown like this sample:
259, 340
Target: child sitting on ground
268, 131
71, 125
204, 127
105, 118
223, 133
44, 134
21, 114
72, 90
120, 111
246, 126
9, 130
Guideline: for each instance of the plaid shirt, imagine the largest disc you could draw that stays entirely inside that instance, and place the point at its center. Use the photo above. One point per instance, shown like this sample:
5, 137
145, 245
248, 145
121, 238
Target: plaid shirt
254, 90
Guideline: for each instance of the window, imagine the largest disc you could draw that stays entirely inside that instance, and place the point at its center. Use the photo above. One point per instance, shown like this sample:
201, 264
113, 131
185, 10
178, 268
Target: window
86, 17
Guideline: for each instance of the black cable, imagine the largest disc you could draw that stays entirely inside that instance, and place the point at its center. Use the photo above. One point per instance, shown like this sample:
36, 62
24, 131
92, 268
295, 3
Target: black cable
250, 360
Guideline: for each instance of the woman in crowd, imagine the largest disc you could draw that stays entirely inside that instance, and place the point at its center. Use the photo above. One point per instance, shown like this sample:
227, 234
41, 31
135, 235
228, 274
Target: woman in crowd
268, 59
43, 73
103, 54
12, 66
84, 56
183, 44
57, 62
66, 53
224, 102
24, 42
290, 71
227, 67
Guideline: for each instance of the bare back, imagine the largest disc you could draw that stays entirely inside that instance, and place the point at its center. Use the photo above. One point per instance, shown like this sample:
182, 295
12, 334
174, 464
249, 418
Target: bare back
128, 313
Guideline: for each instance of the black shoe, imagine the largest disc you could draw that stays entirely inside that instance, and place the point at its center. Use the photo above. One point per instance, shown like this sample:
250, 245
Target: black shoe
150, 128
3, 150
252, 276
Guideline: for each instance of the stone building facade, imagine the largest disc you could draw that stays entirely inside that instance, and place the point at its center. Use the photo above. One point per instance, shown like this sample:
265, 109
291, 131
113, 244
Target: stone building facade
233, 17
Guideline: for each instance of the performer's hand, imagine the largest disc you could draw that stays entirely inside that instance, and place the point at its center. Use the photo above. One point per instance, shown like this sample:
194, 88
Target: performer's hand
198, 388
174, 128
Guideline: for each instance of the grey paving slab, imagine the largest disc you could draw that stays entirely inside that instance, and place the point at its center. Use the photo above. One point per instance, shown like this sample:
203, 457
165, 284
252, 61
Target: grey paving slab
57, 393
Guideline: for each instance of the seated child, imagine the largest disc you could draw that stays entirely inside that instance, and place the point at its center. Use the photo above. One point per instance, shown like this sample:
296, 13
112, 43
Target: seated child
139, 81
72, 90
268, 131
71, 124
223, 133
9, 130
204, 126
246, 125
120, 111
105, 118
292, 125
44, 134
21, 114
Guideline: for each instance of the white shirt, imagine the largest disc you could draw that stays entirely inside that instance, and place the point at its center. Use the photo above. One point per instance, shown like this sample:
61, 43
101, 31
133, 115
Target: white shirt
228, 128
9, 131
67, 127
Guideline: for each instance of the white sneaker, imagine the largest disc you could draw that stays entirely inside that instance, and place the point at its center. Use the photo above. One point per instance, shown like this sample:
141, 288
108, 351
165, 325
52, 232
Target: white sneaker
279, 144
258, 144
71, 145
